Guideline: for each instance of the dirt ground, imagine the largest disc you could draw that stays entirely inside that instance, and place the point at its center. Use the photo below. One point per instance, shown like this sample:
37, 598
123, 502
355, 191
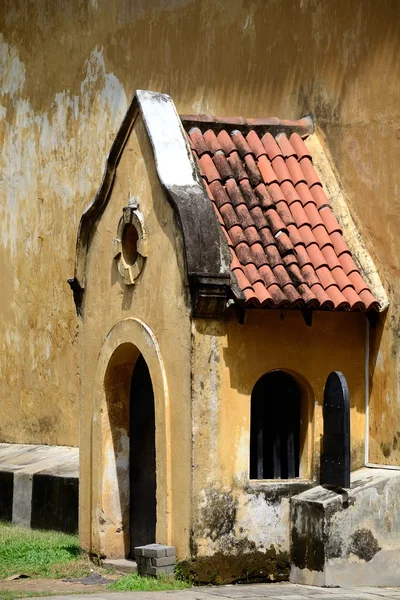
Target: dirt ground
52, 586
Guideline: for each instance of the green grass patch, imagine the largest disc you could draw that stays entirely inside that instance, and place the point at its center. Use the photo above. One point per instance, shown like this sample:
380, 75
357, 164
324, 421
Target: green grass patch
139, 583
9, 595
49, 554
55, 555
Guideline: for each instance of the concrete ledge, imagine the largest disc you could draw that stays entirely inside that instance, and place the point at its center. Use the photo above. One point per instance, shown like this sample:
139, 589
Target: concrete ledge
383, 569
40, 486
348, 537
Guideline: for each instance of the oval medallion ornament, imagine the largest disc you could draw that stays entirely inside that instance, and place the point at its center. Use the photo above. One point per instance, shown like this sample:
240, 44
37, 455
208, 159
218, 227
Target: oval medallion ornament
130, 245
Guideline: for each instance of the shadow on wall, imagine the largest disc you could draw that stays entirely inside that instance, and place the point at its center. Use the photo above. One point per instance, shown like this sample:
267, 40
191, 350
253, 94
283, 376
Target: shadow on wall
270, 340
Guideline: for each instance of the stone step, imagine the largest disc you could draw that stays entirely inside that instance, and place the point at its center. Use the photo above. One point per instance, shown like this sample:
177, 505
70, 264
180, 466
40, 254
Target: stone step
122, 565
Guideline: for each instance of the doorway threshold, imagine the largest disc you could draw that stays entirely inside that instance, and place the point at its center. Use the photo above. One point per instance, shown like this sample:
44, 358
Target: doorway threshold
122, 565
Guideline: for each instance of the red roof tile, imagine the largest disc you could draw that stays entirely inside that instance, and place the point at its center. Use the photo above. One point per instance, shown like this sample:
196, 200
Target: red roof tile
286, 244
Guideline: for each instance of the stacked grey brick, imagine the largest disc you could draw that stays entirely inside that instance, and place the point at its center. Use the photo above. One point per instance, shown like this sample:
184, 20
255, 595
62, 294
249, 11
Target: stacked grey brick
155, 559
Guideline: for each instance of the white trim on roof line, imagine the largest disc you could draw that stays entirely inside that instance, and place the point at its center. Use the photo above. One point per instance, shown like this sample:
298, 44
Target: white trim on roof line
172, 154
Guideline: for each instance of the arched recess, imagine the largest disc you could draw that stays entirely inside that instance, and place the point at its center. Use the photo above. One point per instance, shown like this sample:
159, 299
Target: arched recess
281, 427
126, 341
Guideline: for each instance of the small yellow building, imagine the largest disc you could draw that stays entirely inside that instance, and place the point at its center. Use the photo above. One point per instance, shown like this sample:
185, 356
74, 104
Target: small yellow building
212, 328
219, 279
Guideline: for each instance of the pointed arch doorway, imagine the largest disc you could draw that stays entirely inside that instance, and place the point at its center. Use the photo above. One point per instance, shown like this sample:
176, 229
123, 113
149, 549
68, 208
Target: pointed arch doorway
106, 512
142, 453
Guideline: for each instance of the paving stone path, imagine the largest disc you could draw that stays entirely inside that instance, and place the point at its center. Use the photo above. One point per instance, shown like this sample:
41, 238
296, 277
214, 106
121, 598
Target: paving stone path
271, 591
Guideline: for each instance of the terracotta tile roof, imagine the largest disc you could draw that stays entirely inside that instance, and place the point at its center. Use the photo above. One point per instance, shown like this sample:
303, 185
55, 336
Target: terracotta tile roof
287, 247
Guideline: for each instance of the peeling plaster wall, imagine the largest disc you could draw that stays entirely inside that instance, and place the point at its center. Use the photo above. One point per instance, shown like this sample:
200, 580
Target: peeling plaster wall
48, 161
232, 514
66, 71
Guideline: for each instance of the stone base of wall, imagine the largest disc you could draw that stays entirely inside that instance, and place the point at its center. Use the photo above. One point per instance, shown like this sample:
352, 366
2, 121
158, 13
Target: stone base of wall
348, 537
40, 486
243, 567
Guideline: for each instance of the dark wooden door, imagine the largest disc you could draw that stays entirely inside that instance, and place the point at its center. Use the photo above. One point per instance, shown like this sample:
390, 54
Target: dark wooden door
142, 458
335, 458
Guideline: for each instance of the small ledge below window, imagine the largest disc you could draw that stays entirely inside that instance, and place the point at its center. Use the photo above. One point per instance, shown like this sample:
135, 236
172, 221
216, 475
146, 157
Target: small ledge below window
275, 489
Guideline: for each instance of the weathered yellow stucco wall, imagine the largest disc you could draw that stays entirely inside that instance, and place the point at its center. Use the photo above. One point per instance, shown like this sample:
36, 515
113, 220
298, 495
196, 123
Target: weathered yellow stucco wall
151, 317
67, 71
228, 360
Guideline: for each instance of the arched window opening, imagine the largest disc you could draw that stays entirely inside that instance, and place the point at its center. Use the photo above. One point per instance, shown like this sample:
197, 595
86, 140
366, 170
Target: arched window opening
275, 427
